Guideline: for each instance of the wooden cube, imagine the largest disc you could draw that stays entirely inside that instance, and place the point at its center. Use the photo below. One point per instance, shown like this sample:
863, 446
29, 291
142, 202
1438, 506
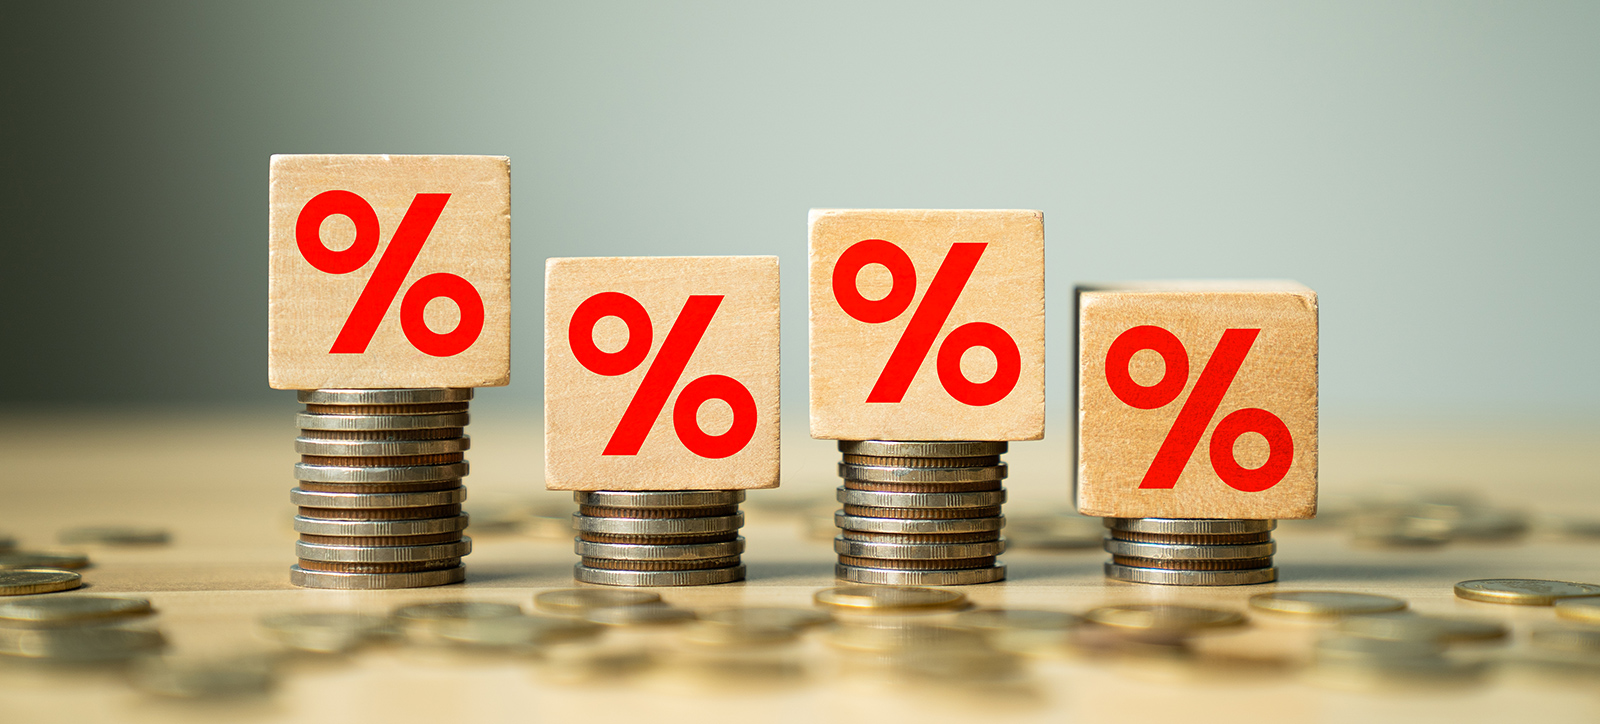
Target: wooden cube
389, 271
1197, 400
661, 373
927, 325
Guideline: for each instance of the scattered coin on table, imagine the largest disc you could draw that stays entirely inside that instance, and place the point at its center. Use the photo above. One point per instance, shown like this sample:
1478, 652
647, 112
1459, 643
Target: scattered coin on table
426, 618
1566, 639
1324, 604
1523, 591
42, 559
72, 610
114, 535
80, 644
24, 581
1585, 609
577, 601
889, 598
1164, 617
1407, 626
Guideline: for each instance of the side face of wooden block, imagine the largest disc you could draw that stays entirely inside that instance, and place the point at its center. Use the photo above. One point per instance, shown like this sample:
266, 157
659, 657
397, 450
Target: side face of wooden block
661, 373
389, 271
1197, 400
927, 325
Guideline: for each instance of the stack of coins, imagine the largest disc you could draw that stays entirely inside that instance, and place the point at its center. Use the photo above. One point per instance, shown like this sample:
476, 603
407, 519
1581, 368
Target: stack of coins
1190, 551
658, 538
920, 513
380, 488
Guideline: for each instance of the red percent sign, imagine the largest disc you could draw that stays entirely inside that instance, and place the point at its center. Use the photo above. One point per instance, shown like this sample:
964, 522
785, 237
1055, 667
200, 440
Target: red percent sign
1197, 411
384, 284
926, 322
662, 375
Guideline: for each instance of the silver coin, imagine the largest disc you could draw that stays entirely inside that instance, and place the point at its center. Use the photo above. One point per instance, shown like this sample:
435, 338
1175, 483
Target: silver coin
1167, 577
647, 552
320, 421
879, 499
380, 528
657, 526
1190, 526
375, 581
705, 577
920, 526
381, 554
319, 499
395, 396
917, 551
1179, 552
885, 474
381, 448
114, 535
403, 474
892, 577
658, 498
922, 449
75, 610
80, 644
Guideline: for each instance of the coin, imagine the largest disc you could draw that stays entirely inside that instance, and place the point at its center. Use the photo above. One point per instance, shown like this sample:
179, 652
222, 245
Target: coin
724, 634
318, 499
923, 526
889, 598
897, 577
1523, 591
380, 448
1176, 552
77, 609
37, 559
576, 601
435, 433
920, 639
23, 581
1359, 648
204, 678
649, 614
1586, 609
657, 526
382, 541
1565, 639
1406, 626
658, 498
913, 564
658, 513
923, 551
655, 552
980, 486
925, 449
326, 631
585, 574
921, 513
402, 474
371, 488
316, 421
315, 566
1324, 604
375, 514
516, 631
697, 564
422, 409
80, 644
983, 537
1181, 539
1190, 526
426, 616
878, 499
977, 461
1234, 564
374, 581
396, 396
113, 536
767, 617
1168, 577
1164, 617
872, 473
425, 526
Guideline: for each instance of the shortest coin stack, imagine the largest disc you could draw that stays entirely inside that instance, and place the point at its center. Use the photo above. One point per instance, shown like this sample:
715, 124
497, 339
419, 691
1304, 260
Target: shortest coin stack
920, 513
658, 538
1190, 551
380, 488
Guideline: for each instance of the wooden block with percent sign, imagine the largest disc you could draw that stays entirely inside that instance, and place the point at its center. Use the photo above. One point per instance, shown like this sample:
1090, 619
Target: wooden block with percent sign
661, 373
390, 271
927, 325
1197, 400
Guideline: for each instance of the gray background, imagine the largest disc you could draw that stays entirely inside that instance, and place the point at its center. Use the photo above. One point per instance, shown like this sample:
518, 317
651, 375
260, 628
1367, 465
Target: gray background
1431, 169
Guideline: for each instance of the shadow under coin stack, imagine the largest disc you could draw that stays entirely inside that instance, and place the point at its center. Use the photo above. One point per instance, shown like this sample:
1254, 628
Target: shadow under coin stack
1190, 551
380, 488
920, 513
658, 537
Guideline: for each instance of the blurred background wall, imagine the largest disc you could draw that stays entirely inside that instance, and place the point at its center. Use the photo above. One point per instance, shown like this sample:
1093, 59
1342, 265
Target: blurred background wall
1431, 168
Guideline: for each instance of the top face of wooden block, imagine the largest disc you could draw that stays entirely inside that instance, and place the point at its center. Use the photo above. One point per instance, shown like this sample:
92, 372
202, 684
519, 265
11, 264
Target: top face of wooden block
661, 373
927, 325
1197, 400
389, 271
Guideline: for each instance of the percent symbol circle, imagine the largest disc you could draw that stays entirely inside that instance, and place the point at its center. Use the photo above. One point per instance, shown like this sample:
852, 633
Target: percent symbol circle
1199, 409
390, 273
926, 322
662, 375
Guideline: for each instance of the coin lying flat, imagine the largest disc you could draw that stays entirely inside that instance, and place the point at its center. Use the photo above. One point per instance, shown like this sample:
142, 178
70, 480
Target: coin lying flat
1407, 626
1586, 609
424, 616
326, 631
1170, 577
1179, 552
1163, 617
1361, 648
320, 499
319, 421
1566, 639
917, 551
1015, 619
114, 536
975, 499
928, 449
36, 559
381, 448
577, 601
80, 643
657, 526
889, 598
1523, 591
375, 581
56, 610
365, 474
1324, 604
654, 552
383, 528
381, 554
930, 577
23, 581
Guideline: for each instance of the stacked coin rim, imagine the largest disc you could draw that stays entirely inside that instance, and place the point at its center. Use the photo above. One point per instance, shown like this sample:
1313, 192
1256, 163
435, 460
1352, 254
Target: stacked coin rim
1190, 551
658, 537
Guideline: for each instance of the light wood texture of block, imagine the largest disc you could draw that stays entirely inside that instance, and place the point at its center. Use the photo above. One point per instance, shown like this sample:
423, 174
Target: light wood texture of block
389, 271
661, 373
1197, 400
927, 325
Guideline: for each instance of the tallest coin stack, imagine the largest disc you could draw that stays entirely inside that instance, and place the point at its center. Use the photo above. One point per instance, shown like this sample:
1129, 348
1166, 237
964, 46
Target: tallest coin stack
381, 488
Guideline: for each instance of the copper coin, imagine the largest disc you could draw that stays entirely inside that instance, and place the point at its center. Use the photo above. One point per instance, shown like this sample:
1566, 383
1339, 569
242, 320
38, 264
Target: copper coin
431, 511
906, 564
658, 513
608, 564
921, 513
1243, 564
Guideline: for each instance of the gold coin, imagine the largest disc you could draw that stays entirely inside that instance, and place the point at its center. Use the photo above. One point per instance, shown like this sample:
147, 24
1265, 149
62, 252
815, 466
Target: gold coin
1163, 617
1523, 591
1016, 619
1407, 626
23, 581
1324, 604
1580, 609
576, 601
326, 631
37, 559
889, 598
71, 609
